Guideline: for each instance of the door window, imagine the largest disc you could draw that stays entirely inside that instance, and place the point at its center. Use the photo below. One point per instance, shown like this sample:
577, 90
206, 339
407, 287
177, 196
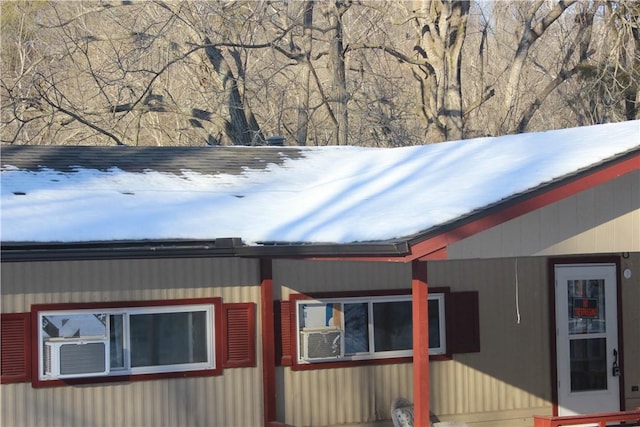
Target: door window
587, 342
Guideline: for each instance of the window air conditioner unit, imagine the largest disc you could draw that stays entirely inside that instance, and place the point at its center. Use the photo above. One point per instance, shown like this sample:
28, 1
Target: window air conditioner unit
76, 358
322, 344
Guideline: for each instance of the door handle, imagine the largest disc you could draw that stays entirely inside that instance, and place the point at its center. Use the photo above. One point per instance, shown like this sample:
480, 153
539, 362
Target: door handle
615, 369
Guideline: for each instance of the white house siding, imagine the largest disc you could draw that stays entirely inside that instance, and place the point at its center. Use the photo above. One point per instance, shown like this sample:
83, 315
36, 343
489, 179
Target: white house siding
232, 399
602, 219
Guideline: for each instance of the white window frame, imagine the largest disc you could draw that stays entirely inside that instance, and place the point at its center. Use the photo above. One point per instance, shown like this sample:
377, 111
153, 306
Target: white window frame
370, 301
127, 312
442, 326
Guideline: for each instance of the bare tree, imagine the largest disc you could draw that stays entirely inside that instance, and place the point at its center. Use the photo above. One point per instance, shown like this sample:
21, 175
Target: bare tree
608, 86
440, 27
21, 58
567, 67
302, 124
534, 26
334, 12
336, 72
116, 65
439, 31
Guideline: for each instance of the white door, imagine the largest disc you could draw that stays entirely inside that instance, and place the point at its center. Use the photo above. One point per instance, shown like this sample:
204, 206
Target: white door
587, 339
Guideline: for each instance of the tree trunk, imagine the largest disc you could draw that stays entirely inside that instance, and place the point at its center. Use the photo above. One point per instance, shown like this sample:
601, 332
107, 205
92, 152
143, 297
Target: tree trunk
237, 127
506, 122
302, 127
337, 64
632, 94
581, 45
442, 26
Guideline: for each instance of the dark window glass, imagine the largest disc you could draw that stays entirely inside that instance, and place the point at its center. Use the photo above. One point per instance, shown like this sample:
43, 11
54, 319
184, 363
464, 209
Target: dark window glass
588, 364
392, 325
356, 328
116, 341
434, 324
168, 338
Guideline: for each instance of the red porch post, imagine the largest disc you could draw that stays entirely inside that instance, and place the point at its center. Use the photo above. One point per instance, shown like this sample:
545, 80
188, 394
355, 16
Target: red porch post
268, 339
419, 293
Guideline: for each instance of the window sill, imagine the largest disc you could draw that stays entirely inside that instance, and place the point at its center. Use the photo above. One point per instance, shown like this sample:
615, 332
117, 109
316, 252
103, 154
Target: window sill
37, 383
366, 362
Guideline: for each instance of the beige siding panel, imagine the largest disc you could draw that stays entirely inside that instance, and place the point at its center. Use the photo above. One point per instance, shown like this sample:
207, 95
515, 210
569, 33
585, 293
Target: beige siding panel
176, 402
232, 399
345, 396
327, 397
602, 219
24, 284
512, 370
336, 276
509, 378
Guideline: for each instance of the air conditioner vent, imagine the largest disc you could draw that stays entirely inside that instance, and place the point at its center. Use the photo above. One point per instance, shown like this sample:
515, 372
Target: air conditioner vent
322, 344
76, 358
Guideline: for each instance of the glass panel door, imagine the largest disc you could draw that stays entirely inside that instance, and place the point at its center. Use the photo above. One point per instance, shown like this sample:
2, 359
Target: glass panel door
587, 338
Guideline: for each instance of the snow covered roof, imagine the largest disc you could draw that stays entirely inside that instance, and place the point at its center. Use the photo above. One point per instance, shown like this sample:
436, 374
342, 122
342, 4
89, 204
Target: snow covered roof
336, 195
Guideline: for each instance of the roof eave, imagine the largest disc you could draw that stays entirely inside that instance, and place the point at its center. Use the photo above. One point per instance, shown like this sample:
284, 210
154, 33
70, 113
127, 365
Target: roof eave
529, 200
59, 251
323, 250
225, 247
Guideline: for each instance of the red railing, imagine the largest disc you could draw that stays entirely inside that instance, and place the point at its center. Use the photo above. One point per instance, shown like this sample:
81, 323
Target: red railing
600, 419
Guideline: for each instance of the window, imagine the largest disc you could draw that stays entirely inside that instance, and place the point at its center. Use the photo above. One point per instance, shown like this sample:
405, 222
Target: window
360, 328
125, 341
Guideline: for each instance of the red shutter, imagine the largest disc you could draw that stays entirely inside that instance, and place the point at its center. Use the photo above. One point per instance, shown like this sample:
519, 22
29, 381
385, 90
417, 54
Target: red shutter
282, 317
15, 356
239, 331
463, 322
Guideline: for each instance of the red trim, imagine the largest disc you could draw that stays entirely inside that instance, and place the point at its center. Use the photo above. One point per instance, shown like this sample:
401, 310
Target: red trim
601, 418
441, 241
218, 347
420, 292
349, 364
293, 298
277, 424
282, 313
120, 304
15, 355
372, 293
463, 322
438, 254
553, 356
553, 346
239, 335
268, 342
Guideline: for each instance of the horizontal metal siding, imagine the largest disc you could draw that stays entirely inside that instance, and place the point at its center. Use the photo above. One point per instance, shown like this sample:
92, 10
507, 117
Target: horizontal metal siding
233, 399
508, 378
338, 276
176, 402
511, 372
27, 283
347, 395
344, 396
